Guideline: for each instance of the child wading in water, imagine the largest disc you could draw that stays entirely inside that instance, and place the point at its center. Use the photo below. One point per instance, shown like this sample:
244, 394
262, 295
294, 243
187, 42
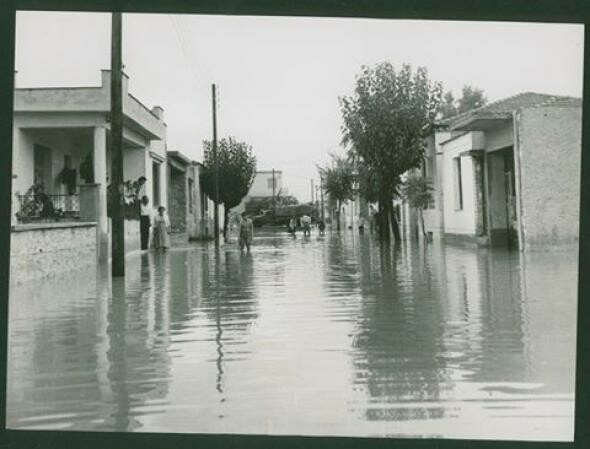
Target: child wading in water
161, 230
246, 232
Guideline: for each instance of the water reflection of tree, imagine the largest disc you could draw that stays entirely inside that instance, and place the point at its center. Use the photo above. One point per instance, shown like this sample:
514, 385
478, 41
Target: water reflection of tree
398, 337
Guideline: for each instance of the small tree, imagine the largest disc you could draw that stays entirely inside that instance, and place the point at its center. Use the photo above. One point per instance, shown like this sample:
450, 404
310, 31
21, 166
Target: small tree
338, 183
418, 192
237, 168
471, 98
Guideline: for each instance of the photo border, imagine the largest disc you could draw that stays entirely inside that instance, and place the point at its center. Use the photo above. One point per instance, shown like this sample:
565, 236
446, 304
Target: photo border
550, 11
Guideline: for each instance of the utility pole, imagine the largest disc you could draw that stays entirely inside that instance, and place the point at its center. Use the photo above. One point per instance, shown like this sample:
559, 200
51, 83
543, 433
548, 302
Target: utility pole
118, 225
322, 194
216, 162
274, 207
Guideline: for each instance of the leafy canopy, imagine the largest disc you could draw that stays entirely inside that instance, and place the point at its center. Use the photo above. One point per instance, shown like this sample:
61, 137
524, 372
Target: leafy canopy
339, 179
418, 192
237, 168
471, 98
387, 118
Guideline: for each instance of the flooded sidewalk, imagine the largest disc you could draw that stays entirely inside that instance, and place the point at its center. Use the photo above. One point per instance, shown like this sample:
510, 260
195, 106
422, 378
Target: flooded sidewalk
325, 335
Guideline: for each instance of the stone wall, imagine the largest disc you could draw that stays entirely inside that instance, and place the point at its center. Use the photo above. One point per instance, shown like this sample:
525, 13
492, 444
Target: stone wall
43, 250
549, 152
177, 200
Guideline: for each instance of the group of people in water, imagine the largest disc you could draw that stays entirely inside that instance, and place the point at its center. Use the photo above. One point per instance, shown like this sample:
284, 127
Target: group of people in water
305, 223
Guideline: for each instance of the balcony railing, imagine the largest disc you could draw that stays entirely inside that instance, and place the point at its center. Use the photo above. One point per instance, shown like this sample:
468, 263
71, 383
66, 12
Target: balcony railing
41, 207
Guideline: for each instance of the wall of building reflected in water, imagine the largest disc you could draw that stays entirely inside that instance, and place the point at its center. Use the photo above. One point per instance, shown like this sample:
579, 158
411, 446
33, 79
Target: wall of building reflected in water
315, 336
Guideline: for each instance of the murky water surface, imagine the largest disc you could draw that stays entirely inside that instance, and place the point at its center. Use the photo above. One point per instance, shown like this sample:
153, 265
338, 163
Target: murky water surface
317, 336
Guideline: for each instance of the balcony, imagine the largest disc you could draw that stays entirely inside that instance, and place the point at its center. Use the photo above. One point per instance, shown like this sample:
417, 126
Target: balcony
42, 208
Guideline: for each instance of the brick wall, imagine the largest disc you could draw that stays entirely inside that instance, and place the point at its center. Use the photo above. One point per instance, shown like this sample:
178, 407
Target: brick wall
37, 252
549, 142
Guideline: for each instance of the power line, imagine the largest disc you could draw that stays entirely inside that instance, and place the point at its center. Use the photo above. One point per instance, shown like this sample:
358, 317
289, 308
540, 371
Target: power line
183, 46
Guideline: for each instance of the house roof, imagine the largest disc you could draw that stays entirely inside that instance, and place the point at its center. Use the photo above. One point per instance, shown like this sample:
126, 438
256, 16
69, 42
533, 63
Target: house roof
483, 117
179, 156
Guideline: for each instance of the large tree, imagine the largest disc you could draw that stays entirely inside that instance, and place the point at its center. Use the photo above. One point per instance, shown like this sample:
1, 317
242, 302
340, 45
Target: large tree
385, 123
338, 180
237, 168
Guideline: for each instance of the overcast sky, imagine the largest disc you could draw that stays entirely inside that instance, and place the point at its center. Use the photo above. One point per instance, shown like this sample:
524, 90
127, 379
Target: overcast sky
280, 78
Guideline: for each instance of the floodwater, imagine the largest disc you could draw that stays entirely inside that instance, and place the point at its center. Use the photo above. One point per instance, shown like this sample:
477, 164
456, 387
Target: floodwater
315, 336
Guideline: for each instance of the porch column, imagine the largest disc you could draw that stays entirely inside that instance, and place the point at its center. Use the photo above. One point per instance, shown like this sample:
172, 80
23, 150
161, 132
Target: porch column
480, 212
100, 178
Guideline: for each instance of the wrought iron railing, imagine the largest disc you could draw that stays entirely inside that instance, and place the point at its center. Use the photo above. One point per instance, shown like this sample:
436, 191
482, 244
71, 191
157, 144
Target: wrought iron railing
41, 207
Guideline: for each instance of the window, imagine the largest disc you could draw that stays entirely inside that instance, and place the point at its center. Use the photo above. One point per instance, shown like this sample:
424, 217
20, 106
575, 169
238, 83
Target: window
458, 183
155, 184
270, 182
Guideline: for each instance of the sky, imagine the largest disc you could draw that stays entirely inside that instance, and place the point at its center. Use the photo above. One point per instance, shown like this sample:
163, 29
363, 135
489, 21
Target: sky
279, 78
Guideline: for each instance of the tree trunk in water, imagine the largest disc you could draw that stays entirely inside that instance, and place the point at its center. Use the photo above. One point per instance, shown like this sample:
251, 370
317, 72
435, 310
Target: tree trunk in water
394, 223
225, 223
338, 216
424, 234
383, 220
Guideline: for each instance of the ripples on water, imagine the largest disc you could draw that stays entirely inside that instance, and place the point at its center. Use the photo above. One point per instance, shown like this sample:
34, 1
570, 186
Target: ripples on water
317, 336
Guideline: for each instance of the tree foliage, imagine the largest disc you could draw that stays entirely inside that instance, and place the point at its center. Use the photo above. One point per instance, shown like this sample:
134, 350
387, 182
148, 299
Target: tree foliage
471, 98
237, 168
339, 181
418, 192
385, 123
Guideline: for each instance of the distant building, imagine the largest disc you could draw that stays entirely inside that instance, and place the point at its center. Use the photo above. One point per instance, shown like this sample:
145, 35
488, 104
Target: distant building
61, 144
508, 173
262, 187
190, 210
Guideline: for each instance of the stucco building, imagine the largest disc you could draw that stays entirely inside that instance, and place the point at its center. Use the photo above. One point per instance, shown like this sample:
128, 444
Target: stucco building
262, 187
508, 173
61, 142
190, 210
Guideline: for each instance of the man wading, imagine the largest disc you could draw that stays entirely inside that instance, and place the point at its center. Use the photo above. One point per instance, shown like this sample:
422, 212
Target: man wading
246, 232
145, 221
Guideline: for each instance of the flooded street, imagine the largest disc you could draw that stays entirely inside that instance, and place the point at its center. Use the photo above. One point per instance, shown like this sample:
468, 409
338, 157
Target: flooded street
316, 336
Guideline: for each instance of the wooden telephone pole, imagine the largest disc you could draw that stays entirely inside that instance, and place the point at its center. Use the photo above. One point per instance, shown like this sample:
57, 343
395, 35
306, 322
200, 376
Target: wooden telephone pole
216, 161
118, 225
322, 195
274, 208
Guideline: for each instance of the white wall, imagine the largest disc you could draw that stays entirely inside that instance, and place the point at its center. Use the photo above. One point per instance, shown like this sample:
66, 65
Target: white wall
459, 221
260, 186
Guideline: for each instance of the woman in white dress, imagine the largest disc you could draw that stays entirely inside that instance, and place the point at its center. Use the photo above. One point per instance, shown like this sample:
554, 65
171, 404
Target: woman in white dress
161, 230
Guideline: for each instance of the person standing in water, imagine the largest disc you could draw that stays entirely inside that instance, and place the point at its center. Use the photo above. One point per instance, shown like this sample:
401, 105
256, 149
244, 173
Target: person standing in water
161, 230
145, 221
306, 224
246, 232
293, 226
321, 226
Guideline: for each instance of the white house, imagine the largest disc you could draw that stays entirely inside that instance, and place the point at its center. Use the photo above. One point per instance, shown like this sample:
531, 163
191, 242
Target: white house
508, 173
262, 187
61, 142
